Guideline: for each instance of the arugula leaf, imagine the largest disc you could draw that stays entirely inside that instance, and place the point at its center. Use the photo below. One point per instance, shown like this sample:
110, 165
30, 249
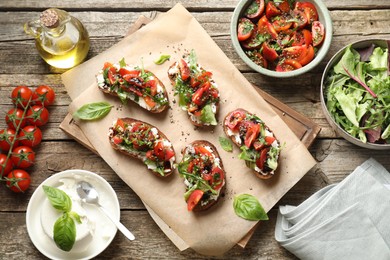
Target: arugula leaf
64, 232
58, 198
226, 144
93, 111
163, 58
122, 63
248, 207
207, 115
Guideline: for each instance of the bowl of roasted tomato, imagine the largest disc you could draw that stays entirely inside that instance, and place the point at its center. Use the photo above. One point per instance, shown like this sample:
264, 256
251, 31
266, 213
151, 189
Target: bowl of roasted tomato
281, 38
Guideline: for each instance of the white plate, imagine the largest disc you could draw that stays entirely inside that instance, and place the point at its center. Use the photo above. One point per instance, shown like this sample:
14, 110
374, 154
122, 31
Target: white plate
104, 231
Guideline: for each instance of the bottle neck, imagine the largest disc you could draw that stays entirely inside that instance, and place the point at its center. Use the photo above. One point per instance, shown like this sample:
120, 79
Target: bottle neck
55, 32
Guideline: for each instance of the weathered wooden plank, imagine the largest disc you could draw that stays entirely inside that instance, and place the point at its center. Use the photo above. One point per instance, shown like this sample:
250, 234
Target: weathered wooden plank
202, 5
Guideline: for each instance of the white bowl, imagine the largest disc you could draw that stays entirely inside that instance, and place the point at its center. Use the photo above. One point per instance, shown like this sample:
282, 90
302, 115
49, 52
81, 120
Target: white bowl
88, 244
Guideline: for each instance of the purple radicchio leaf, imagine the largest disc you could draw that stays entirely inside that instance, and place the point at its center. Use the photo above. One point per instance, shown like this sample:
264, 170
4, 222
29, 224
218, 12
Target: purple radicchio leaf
366, 52
373, 134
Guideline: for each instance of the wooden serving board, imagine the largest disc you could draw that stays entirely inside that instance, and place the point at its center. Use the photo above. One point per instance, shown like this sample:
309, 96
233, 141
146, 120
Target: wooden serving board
302, 127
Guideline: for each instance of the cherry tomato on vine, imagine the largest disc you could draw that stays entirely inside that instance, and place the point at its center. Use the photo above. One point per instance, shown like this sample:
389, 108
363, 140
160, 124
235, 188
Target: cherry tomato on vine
13, 118
6, 138
21, 95
30, 136
23, 157
38, 115
19, 180
44, 95
5, 168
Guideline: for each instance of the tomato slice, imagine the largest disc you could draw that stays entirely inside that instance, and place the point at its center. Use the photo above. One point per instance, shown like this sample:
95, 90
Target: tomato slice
309, 56
234, 119
169, 153
284, 7
302, 37
184, 69
194, 199
269, 53
254, 42
217, 177
197, 96
245, 29
202, 150
251, 134
255, 9
257, 58
288, 65
309, 9
107, 65
269, 139
265, 27
301, 18
131, 73
117, 140
159, 150
318, 33
280, 23
258, 145
271, 10
149, 101
260, 162
295, 53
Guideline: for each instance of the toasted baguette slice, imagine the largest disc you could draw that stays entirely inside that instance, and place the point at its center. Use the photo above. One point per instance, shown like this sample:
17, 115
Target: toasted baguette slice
197, 91
260, 148
144, 142
202, 157
135, 84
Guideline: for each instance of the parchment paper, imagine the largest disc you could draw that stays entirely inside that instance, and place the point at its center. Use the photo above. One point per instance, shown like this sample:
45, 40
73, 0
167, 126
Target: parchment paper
217, 230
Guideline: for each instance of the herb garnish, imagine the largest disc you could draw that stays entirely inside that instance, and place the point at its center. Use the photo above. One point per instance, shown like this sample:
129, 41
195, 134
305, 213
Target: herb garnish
248, 207
93, 111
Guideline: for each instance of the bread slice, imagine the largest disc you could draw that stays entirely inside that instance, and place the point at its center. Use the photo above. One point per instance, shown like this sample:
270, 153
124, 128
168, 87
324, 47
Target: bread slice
123, 128
238, 136
174, 72
208, 199
134, 88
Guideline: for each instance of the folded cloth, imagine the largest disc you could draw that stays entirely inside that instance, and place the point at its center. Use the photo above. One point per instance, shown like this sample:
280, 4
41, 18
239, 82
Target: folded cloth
344, 221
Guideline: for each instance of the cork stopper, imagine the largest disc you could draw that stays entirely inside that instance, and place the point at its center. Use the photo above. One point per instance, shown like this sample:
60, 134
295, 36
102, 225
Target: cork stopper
49, 18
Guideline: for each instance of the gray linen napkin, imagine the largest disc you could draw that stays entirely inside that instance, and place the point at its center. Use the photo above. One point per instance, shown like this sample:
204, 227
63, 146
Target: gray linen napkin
350, 220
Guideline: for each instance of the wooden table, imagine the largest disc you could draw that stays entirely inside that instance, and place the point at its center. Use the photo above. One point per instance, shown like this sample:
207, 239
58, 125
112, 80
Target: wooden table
107, 22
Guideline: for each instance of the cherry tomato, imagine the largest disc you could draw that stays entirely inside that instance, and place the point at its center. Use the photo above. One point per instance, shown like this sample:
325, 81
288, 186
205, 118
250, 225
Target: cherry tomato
260, 162
288, 65
264, 27
202, 150
19, 180
6, 138
199, 93
159, 151
5, 168
245, 29
184, 69
169, 153
44, 95
21, 95
30, 136
149, 101
295, 53
112, 76
271, 10
301, 19
269, 139
269, 53
107, 65
254, 42
131, 73
217, 177
309, 56
257, 58
194, 199
23, 157
13, 118
309, 9
258, 145
117, 140
318, 33
280, 23
284, 6
37, 115
302, 37
251, 134
255, 9
234, 119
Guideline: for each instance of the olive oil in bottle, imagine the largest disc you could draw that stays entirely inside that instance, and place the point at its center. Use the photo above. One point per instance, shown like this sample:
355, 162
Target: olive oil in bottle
61, 39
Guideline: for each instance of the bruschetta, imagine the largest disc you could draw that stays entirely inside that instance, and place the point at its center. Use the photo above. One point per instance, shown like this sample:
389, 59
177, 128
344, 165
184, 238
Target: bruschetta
197, 91
133, 83
144, 142
259, 147
203, 174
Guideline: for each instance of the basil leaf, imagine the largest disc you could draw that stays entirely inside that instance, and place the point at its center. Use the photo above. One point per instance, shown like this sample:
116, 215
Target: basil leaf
122, 63
225, 144
207, 115
163, 58
64, 232
75, 216
248, 207
93, 111
58, 198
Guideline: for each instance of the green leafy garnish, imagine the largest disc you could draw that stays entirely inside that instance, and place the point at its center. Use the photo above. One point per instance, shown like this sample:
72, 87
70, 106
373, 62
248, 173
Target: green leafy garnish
193, 62
248, 154
93, 111
248, 207
122, 63
163, 58
226, 144
207, 115
64, 230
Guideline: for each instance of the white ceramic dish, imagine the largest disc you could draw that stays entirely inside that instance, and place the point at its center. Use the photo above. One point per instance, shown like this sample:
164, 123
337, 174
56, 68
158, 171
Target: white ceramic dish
104, 230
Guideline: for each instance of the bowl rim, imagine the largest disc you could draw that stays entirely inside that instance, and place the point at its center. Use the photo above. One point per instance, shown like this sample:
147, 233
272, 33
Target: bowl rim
335, 58
320, 54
